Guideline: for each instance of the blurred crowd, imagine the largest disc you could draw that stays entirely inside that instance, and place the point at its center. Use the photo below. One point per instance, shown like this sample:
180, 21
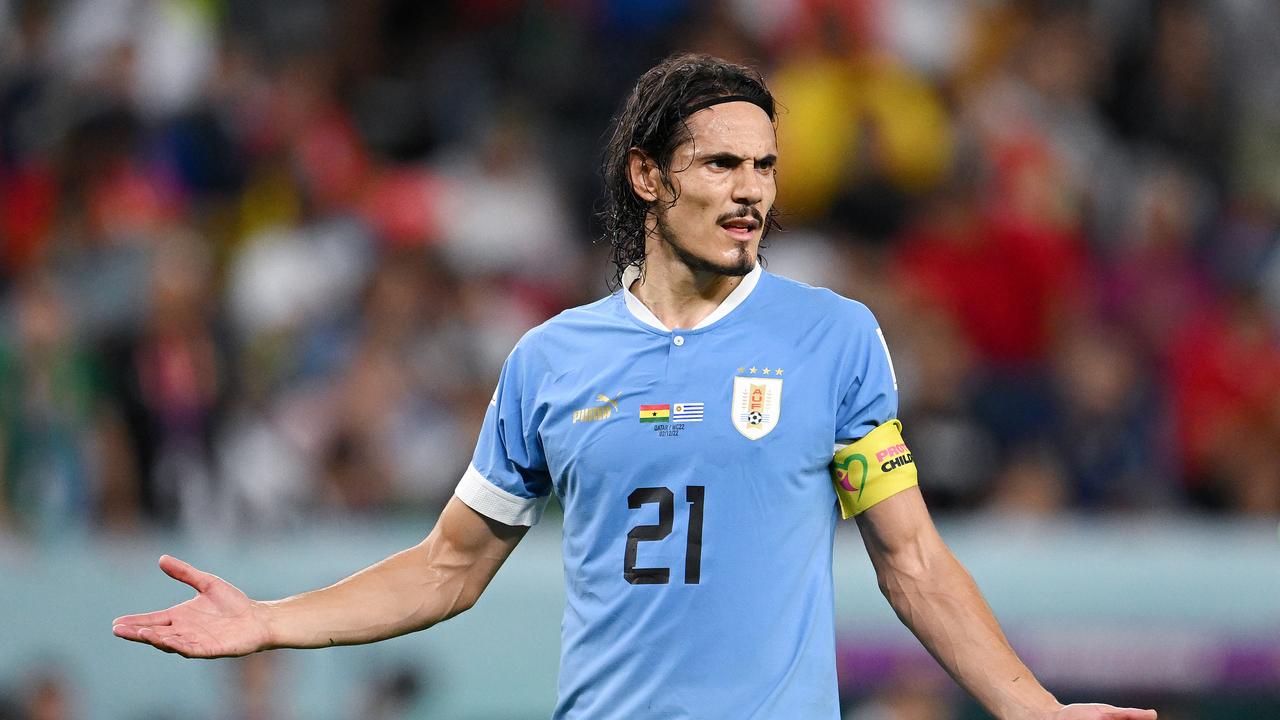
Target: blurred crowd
261, 262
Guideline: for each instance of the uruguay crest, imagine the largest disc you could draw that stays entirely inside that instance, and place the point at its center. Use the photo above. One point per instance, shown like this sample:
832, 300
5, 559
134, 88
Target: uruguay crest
757, 403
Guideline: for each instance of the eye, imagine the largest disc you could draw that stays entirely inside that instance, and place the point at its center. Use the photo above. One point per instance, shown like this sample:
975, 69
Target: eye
721, 163
765, 166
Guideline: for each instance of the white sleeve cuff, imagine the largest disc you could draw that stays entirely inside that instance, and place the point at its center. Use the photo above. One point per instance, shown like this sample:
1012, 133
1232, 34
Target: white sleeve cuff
495, 503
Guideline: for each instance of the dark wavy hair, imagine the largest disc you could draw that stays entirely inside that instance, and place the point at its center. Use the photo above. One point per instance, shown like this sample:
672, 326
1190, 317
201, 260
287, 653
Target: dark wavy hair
653, 120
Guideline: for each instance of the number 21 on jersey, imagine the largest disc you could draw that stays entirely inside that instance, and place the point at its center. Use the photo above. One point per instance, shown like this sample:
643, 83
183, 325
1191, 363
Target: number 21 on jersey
694, 495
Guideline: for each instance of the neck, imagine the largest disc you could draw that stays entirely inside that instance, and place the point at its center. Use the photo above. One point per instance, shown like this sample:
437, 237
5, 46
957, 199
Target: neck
678, 295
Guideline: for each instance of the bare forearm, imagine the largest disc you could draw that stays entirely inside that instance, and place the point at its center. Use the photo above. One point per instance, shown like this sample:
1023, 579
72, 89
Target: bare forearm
937, 599
398, 595
411, 590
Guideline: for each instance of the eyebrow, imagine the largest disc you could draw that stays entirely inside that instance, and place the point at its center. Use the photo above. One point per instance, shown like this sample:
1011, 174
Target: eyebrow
735, 159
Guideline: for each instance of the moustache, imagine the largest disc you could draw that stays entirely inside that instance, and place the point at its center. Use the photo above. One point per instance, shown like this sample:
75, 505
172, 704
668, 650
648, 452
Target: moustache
741, 213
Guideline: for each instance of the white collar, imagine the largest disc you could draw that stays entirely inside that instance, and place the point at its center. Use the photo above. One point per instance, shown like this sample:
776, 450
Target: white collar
646, 316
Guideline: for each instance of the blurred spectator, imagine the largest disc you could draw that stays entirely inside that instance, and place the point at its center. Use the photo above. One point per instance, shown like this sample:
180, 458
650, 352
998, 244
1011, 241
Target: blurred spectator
1171, 89
1044, 154
994, 287
395, 429
953, 449
172, 378
51, 404
1154, 282
501, 212
1225, 379
1005, 282
861, 127
1107, 427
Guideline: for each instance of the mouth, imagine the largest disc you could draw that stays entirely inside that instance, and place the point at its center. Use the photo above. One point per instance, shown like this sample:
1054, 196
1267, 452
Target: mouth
741, 228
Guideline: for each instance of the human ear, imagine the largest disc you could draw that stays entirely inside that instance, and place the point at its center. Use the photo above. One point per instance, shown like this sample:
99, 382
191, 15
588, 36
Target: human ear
644, 175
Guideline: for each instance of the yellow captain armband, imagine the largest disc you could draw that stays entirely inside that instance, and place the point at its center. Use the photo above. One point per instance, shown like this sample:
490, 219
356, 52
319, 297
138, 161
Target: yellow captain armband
872, 469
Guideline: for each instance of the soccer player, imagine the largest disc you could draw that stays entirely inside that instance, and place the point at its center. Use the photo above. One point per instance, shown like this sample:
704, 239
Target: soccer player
704, 428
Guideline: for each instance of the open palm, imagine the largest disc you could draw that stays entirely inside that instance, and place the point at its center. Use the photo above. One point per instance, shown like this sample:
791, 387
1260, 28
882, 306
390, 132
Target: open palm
220, 621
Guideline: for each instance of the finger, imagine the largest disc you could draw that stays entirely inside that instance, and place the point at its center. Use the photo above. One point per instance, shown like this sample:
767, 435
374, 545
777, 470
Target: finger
158, 641
144, 635
168, 643
151, 618
182, 572
129, 632
148, 636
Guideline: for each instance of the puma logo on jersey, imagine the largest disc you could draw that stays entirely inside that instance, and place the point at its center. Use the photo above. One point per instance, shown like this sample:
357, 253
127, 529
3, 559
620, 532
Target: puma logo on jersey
599, 412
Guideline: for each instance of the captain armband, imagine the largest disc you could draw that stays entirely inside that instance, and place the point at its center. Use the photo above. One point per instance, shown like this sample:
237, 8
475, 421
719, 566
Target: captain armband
872, 469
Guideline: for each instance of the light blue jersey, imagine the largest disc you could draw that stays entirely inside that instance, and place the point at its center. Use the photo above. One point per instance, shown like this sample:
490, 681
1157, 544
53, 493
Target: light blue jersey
699, 512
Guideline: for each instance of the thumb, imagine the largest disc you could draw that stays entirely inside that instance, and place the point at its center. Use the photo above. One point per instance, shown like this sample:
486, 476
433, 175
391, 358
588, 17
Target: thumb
183, 572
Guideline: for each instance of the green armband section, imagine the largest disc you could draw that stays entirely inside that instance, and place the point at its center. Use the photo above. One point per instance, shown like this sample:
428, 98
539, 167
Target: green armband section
872, 469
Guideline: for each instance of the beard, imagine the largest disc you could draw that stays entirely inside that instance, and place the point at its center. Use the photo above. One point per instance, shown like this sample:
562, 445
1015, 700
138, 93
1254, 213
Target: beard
744, 265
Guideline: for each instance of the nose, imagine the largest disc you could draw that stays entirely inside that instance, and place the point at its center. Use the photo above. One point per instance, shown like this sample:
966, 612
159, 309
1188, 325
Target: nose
747, 187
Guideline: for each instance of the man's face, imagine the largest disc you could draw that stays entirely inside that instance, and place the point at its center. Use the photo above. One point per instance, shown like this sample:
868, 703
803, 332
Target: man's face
724, 179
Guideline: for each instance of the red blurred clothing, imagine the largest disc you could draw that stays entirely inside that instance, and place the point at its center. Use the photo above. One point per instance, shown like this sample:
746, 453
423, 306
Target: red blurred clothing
1154, 290
402, 205
131, 201
28, 199
1224, 375
1004, 281
332, 159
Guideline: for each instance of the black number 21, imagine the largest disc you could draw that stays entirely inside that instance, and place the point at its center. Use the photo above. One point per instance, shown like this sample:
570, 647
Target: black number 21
694, 495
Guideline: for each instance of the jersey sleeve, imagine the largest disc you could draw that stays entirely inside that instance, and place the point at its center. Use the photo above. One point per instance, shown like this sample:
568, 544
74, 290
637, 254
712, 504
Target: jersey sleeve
871, 462
870, 395
507, 479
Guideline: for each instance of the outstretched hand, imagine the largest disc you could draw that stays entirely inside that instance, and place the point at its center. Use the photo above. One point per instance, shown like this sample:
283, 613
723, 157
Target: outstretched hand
1091, 711
220, 621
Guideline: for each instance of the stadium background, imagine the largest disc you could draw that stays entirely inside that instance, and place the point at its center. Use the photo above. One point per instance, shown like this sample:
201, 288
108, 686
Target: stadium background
260, 264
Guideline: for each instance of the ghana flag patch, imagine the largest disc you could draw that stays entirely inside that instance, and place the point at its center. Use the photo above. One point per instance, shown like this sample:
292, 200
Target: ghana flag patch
655, 413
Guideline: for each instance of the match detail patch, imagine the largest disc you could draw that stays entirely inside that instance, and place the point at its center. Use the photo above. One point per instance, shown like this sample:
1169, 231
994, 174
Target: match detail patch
872, 469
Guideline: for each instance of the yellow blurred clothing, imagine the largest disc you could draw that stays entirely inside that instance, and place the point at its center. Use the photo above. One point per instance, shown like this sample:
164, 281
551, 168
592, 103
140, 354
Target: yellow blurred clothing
271, 199
844, 116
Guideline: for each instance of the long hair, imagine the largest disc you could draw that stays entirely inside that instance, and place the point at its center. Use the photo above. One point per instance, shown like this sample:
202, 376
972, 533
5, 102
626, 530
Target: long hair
653, 120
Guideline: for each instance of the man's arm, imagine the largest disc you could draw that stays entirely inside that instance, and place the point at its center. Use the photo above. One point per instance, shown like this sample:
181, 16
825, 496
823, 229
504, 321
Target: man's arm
938, 601
411, 590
